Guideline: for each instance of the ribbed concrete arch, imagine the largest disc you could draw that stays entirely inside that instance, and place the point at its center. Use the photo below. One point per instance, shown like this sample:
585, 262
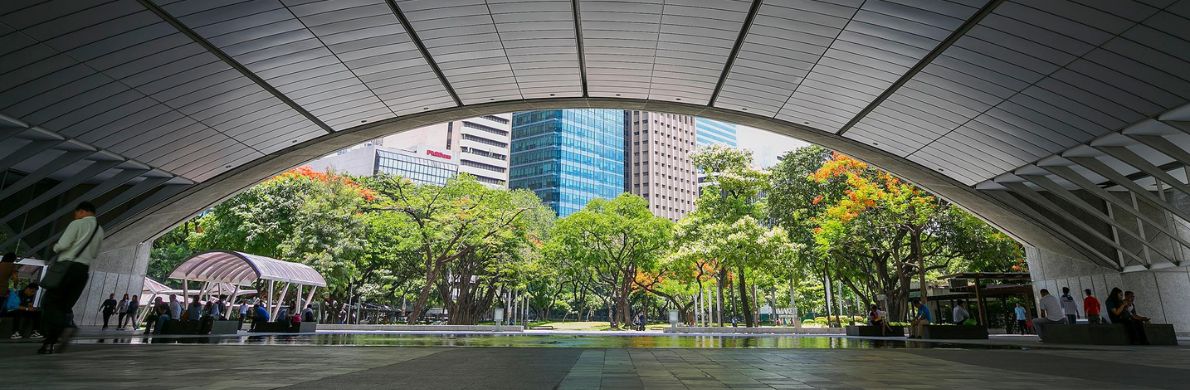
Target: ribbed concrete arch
1064, 123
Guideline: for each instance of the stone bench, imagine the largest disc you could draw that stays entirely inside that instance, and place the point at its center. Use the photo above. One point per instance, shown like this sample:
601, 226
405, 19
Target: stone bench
875, 331
947, 332
1105, 334
196, 327
285, 327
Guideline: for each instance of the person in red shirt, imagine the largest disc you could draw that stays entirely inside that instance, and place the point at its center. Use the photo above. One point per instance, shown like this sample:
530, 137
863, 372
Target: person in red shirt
1091, 306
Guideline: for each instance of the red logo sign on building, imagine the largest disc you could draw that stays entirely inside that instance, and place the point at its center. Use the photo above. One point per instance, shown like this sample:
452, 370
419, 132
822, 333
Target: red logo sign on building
438, 154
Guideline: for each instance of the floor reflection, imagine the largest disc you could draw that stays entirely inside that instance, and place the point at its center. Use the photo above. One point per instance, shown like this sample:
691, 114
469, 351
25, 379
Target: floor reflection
539, 340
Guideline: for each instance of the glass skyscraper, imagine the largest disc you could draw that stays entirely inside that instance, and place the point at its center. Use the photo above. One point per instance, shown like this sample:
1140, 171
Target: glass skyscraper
712, 132
568, 157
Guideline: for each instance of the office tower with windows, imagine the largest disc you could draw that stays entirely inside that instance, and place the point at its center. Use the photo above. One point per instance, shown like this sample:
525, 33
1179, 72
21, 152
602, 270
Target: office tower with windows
478, 145
657, 163
568, 157
713, 132
421, 166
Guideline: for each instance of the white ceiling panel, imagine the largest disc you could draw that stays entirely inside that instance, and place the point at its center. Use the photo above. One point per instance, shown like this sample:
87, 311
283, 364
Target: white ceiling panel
878, 45
461, 36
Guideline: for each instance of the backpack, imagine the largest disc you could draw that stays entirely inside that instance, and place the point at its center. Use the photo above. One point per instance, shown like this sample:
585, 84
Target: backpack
14, 300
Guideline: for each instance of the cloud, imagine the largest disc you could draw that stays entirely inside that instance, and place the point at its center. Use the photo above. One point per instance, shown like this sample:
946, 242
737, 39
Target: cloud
766, 146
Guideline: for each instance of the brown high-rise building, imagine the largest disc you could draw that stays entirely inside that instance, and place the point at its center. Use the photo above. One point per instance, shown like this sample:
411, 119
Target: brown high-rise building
657, 163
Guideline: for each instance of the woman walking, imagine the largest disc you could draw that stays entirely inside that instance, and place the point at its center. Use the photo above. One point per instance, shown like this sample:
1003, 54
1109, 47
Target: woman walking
121, 310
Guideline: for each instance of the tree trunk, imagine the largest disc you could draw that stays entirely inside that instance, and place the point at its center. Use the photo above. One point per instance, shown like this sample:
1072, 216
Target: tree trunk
745, 306
422, 296
719, 296
915, 250
827, 284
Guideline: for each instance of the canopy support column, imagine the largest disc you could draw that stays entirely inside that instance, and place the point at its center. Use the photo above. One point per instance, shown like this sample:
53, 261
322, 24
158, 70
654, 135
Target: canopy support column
297, 301
310, 297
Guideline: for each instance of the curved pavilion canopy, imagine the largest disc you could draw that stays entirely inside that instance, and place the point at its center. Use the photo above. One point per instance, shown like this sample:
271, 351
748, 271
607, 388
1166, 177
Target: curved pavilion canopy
243, 269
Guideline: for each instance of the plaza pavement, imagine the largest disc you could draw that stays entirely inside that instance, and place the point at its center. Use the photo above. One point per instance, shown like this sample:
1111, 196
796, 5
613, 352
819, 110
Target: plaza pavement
233, 366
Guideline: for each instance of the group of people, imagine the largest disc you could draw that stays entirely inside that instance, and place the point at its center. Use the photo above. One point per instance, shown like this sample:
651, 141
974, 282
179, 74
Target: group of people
1121, 309
202, 313
126, 308
1120, 305
18, 304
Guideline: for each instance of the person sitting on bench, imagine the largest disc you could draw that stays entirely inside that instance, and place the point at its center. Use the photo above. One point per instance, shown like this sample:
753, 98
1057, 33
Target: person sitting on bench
1123, 311
1050, 311
878, 318
923, 319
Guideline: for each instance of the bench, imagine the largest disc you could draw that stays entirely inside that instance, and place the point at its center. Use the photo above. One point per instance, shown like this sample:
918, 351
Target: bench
1105, 334
196, 327
947, 332
543, 327
875, 331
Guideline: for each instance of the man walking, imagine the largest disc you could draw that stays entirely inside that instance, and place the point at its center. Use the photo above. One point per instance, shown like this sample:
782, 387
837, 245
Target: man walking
1091, 305
79, 245
108, 308
1068, 306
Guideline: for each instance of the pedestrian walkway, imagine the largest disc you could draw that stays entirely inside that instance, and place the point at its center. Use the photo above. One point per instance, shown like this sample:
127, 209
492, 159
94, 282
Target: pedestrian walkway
219, 366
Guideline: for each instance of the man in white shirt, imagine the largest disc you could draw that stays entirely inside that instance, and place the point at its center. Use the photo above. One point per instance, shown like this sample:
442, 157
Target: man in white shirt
79, 245
1051, 313
959, 314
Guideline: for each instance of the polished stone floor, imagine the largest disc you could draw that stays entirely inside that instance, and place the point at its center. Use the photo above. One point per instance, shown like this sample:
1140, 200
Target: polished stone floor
249, 366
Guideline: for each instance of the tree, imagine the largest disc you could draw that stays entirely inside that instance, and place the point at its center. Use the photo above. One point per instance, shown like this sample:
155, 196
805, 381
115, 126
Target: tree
460, 220
613, 239
731, 200
794, 200
878, 232
301, 215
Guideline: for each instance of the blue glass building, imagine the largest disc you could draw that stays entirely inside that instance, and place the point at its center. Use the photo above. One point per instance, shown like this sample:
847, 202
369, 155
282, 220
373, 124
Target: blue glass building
568, 157
712, 132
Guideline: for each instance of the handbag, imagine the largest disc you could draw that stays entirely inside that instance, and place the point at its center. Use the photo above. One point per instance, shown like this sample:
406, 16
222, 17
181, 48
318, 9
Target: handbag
57, 271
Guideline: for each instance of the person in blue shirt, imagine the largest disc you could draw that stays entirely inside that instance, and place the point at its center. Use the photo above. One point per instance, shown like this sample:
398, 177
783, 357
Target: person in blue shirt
923, 318
261, 315
1022, 316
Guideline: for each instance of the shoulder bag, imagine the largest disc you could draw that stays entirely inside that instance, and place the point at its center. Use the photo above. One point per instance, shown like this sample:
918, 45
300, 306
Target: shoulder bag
57, 272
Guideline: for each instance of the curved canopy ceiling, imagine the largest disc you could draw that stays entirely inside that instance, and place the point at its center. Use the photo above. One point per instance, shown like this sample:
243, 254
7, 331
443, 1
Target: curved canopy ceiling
1008, 97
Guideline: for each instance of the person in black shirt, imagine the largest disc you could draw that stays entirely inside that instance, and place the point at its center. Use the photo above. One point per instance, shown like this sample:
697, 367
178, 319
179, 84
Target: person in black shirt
108, 308
1119, 311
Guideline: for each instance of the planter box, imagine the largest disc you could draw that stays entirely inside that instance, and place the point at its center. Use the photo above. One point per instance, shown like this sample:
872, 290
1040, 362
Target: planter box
875, 331
285, 327
760, 330
947, 332
423, 328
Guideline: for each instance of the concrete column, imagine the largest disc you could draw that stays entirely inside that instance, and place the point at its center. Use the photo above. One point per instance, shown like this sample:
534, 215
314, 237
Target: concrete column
117, 270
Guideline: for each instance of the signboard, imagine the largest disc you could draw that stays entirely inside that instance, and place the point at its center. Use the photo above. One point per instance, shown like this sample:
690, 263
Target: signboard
438, 154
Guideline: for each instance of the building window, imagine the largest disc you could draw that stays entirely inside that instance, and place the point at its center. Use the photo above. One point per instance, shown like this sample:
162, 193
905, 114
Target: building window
496, 119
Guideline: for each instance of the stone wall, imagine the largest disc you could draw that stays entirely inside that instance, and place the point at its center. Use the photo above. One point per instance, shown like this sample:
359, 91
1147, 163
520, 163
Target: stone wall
1162, 294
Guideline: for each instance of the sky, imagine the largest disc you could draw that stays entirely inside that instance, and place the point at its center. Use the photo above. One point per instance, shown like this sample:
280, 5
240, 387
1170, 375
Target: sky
766, 147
